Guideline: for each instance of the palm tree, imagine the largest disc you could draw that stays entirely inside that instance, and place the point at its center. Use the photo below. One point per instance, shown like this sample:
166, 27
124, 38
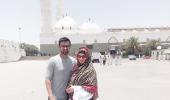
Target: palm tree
152, 45
132, 45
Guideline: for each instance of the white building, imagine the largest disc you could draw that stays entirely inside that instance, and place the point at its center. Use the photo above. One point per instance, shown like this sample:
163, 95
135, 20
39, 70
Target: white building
88, 33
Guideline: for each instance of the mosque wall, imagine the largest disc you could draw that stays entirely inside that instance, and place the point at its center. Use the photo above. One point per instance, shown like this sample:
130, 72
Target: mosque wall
100, 47
48, 49
96, 42
52, 49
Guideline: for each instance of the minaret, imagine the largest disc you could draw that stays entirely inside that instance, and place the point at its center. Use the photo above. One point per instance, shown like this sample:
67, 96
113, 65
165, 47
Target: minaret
59, 9
46, 14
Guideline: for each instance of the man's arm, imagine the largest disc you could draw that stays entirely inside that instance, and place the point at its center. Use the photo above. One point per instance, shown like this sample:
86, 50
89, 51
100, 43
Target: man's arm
49, 90
48, 79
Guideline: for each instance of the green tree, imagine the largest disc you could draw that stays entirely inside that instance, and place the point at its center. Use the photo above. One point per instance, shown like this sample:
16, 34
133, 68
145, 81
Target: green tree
31, 50
132, 45
151, 45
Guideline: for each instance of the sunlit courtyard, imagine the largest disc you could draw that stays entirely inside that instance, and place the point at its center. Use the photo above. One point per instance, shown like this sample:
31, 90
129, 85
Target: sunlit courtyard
141, 79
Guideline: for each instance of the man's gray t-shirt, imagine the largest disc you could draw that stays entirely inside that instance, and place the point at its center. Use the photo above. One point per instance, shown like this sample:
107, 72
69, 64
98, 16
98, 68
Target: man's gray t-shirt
59, 71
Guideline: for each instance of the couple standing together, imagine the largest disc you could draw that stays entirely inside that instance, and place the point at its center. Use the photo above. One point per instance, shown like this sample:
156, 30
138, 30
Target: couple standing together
68, 78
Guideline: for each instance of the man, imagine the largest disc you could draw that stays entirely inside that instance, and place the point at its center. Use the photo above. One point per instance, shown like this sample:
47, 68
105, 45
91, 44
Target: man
58, 71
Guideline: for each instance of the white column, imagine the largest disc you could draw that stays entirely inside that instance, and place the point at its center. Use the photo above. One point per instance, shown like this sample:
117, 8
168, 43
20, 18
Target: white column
59, 9
46, 16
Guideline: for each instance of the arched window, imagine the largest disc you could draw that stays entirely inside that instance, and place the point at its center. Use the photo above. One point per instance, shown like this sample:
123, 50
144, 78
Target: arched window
62, 27
112, 40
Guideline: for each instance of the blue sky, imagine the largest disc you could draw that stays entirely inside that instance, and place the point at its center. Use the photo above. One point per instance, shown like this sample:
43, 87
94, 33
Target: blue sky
106, 13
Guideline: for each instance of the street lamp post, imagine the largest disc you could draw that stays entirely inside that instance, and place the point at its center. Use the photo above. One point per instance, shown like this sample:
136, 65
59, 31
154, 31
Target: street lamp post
19, 31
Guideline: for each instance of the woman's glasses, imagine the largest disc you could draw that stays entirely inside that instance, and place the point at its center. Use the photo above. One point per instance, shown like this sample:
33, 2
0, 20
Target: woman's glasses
81, 56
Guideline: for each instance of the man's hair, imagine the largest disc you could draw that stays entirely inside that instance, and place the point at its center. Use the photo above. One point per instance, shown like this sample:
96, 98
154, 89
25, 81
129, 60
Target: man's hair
63, 39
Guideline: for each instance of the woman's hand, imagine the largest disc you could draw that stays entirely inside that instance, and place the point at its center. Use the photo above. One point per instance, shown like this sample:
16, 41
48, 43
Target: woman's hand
70, 90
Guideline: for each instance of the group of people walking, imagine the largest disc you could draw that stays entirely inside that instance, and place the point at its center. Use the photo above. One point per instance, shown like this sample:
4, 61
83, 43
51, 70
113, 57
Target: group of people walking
68, 78
109, 59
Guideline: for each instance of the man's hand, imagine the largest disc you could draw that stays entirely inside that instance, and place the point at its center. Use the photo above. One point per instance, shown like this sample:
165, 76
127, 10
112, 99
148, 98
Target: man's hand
69, 90
52, 98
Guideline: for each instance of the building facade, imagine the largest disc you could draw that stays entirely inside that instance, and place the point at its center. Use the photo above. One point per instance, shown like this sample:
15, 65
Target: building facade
89, 33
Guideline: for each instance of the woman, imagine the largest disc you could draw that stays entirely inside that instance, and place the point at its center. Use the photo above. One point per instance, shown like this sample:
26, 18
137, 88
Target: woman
83, 81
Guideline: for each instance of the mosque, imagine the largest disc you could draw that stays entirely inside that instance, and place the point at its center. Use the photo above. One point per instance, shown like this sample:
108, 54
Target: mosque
89, 33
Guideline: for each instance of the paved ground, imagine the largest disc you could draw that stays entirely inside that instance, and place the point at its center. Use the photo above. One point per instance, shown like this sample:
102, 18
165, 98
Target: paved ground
132, 80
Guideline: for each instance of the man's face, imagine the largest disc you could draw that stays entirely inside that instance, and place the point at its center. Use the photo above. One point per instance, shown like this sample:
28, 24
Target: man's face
64, 47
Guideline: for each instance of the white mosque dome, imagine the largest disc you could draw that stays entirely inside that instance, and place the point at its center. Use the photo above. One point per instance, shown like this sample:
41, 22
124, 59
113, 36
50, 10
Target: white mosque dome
65, 25
89, 28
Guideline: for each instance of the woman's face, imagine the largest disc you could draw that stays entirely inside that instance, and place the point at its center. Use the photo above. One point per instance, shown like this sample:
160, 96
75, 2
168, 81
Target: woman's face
81, 58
